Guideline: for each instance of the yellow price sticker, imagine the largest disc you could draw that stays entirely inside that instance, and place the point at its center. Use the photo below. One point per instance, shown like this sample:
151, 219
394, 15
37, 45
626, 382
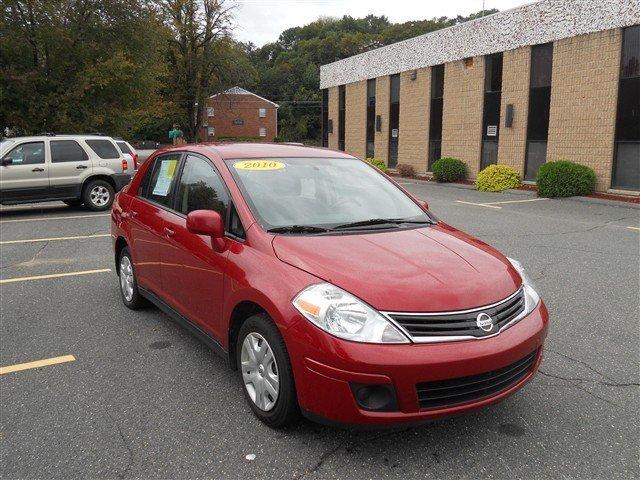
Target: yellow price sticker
258, 165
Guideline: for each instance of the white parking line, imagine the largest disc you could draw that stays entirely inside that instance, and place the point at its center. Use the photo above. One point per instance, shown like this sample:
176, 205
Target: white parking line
516, 201
486, 205
41, 219
54, 239
53, 275
633, 228
37, 364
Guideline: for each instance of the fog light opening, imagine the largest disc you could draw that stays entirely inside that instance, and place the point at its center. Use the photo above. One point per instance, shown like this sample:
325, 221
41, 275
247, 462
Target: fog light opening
375, 398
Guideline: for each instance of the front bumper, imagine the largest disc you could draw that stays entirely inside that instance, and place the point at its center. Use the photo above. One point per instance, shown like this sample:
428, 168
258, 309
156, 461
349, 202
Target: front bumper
325, 368
120, 180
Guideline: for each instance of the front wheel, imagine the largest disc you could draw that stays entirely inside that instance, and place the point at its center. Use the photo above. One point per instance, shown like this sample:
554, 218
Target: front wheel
98, 195
128, 285
265, 370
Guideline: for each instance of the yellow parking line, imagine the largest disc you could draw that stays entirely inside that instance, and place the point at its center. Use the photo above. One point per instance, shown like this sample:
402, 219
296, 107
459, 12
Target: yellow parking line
54, 275
41, 219
54, 239
516, 201
37, 364
479, 204
634, 228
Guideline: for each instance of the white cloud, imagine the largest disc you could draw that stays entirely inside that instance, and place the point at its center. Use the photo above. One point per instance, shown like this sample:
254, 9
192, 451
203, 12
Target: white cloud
262, 21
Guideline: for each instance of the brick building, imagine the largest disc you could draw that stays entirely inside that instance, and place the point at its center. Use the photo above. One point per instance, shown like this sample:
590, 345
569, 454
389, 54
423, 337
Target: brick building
238, 113
546, 81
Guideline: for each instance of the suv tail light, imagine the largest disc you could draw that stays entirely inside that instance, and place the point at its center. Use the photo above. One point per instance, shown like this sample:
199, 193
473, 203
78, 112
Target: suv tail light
125, 165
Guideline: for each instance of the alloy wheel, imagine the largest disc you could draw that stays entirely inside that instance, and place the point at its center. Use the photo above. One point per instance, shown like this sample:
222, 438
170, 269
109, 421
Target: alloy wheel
99, 195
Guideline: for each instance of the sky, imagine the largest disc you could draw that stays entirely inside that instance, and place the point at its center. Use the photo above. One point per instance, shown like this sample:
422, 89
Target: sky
262, 21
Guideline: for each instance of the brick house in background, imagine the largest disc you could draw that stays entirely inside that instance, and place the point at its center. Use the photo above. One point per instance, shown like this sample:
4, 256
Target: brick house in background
239, 113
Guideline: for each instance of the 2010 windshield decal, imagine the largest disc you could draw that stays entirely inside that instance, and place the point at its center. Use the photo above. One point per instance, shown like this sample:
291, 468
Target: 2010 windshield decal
258, 165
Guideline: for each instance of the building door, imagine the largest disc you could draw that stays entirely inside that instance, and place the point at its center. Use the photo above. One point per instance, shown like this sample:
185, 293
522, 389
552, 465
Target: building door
371, 118
435, 115
491, 112
394, 120
342, 106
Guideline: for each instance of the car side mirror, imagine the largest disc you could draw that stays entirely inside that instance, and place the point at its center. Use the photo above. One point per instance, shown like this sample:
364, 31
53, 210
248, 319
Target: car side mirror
423, 204
210, 223
6, 161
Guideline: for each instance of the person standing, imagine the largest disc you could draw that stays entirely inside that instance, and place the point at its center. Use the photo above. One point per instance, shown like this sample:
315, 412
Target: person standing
176, 135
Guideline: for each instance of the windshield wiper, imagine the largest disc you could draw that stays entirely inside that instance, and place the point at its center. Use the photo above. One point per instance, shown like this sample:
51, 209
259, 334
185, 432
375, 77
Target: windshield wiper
380, 221
298, 229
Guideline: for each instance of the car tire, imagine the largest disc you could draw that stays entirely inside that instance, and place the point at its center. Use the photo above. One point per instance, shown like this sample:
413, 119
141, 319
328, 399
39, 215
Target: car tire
73, 203
98, 195
128, 284
283, 410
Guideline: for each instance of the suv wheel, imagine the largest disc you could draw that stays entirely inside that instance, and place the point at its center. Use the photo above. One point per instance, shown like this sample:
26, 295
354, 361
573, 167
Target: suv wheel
265, 370
98, 195
128, 284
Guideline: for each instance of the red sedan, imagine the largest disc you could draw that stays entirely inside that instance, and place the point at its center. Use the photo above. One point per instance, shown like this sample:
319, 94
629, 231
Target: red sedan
329, 288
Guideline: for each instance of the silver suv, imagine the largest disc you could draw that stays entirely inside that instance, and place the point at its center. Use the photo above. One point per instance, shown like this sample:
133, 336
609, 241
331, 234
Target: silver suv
77, 169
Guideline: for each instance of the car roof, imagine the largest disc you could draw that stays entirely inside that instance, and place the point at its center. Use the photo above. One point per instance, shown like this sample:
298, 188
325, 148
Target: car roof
58, 137
271, 150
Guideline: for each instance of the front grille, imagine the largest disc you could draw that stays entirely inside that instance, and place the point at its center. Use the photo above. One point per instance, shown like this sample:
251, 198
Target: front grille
463, 324
445, 393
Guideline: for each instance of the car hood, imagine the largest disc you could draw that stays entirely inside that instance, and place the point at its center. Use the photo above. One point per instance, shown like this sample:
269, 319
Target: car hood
432, 269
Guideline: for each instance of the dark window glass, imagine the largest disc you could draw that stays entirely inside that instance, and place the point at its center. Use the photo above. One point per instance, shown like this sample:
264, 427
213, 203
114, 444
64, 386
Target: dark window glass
371, 117
394, 119
395, 88
124, 147
628, 124
630, 65
437, 81
235, 225
200, 188
342, 100
539, 108
325, 118
162, 179
627, 166
541, 65
493, 73
67, 151
104, 149
27, 154
536, 156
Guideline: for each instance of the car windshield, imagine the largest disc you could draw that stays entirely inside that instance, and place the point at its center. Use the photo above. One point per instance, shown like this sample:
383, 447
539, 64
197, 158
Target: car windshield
322, 193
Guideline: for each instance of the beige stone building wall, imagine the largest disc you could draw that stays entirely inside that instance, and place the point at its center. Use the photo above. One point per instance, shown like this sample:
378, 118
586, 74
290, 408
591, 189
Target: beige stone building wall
584, 94
516, 66
333, 117
382, 109
356, 119
462, 117
415, 96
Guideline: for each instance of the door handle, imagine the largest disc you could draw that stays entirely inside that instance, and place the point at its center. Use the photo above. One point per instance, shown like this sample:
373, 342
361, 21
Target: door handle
168, 232
81, 167
38, 169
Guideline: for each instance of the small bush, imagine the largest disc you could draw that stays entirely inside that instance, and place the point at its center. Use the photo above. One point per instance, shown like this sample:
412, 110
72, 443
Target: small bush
406, 170
565, 179
449, 170
496, 178
379, 164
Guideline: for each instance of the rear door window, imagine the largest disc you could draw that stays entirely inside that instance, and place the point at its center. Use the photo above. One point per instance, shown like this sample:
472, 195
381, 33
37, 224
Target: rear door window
104, 149
67, 151
31, 153
161, 180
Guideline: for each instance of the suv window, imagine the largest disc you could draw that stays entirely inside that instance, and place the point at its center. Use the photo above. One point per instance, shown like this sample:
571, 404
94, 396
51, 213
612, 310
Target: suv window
27, 154
124, 147
201, 188
67, 151
158, 186
104, 149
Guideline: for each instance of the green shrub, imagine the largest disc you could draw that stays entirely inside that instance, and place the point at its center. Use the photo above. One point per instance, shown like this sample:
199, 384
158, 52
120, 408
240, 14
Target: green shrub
565, 179
406, 170
449, 170
496, 178
379, 164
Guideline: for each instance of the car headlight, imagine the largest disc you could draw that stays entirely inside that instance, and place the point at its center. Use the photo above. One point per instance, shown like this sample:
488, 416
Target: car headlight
343, 315
531, 297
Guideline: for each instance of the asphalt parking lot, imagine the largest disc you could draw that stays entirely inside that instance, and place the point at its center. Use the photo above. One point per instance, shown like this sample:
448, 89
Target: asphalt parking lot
143, 399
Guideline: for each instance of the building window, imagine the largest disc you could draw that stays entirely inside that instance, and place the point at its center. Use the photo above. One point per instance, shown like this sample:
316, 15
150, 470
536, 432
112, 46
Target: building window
435, 114
262, 112
371, 117
211, 112
626, 164
341, 115
491, 112
325, 118
211, 131
539, 107
394, 119
263, 132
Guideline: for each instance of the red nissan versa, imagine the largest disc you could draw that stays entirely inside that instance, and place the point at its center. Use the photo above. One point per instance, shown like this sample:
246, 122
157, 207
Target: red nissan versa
330, 289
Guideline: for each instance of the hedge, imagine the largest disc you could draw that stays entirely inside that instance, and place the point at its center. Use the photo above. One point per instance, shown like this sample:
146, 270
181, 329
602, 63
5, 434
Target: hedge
379, 164
449, 170
565, 179
496, 178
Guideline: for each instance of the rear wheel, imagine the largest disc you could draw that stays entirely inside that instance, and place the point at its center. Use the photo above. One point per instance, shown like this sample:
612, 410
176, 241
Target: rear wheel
265, 370
128, 284
98, 195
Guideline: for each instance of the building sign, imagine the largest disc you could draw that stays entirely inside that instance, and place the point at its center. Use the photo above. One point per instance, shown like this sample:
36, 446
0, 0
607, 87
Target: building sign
238, 121
394, 133
492, 130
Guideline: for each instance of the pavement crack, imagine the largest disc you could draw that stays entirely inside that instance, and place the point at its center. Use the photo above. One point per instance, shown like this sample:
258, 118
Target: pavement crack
125, 444
33, 258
